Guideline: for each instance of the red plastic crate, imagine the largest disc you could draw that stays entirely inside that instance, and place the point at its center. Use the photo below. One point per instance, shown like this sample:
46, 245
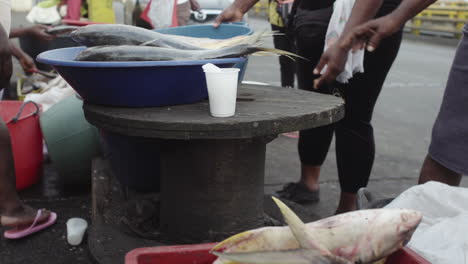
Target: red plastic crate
199, 254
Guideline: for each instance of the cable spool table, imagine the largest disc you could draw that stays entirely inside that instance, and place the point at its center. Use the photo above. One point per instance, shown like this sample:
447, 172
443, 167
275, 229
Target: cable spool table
212, 169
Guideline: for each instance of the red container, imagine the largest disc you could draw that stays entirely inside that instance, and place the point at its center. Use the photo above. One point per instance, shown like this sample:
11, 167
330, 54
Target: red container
199, 254
22, 120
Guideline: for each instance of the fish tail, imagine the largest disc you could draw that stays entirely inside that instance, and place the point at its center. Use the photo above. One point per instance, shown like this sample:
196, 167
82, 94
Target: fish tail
232, 240
262, 50
256, 37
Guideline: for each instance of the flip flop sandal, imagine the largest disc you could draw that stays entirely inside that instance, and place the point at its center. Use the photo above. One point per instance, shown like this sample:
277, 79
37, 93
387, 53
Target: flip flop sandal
294, 135
35, 227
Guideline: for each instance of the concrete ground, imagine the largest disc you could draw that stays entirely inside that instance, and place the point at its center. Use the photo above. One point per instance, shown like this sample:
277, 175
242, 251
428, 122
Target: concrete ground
403, 119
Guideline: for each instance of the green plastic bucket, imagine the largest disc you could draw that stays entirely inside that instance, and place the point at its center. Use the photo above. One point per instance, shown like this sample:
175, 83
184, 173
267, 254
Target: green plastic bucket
71, 141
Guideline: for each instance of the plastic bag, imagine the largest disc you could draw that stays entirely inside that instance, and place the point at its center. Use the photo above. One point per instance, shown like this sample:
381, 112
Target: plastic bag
442, 235
161, 13
341, 13
43, 15
56, 90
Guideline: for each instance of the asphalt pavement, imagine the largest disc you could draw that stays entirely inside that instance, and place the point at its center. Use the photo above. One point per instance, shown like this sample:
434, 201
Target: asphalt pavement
403, 118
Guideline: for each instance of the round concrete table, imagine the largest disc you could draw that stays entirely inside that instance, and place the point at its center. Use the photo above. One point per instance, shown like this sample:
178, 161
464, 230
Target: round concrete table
212, 169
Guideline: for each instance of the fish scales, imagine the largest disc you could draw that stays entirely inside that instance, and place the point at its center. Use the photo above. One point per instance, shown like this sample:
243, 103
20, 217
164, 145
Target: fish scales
146, 53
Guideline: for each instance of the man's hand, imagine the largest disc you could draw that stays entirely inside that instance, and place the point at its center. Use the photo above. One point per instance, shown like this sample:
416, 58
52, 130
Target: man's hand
27, 63
5, 59
230, 14
39, 32
335, 59
370, 34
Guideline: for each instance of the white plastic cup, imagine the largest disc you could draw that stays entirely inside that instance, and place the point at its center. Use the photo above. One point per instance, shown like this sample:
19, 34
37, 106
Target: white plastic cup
76, 228
222, 91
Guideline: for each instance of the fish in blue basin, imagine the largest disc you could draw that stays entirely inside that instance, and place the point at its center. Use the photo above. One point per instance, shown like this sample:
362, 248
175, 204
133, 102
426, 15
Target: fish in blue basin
357, 237
116, 34
148, 53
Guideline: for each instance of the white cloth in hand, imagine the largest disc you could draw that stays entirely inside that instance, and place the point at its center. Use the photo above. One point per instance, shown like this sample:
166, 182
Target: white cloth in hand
355, 62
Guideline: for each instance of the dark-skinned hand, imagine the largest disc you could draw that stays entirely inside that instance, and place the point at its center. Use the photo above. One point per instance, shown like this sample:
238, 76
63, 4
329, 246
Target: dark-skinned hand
368, 35
230, 14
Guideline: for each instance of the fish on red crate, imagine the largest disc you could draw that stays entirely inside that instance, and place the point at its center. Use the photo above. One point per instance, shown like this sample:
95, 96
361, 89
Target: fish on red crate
356, 237
200, 254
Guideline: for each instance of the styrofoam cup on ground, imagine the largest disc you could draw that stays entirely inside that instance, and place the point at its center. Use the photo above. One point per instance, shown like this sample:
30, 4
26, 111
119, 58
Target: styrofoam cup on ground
222, 91
76, 228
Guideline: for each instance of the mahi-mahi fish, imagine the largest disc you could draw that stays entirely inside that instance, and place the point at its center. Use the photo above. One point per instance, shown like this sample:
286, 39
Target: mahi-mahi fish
116, 34
147, 53
357, 237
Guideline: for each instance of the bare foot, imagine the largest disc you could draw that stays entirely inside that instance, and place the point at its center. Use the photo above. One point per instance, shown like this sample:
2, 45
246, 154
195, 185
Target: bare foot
23, 216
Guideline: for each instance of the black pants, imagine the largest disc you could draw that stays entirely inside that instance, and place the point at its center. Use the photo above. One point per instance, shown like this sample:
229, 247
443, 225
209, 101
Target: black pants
355, 148
287, 66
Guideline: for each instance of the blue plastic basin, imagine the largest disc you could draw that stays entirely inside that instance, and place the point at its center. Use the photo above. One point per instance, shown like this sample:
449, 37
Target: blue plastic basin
133, 84
224, 31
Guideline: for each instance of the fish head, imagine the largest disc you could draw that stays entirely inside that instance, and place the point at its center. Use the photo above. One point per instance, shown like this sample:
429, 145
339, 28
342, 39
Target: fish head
410, 220
390, 231
88, 34
79, 35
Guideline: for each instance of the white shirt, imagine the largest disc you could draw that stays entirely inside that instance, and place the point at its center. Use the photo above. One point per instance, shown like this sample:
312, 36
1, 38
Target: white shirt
5, 15
179, 2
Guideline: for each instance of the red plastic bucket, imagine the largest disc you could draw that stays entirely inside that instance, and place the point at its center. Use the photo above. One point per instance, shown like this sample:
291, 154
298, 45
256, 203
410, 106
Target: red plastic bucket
22, 120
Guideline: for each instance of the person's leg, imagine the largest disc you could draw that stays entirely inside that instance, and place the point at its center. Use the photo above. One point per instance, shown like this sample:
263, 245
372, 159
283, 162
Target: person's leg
183, 13
314, 143
448, 151
282, 42
355, 146
12, 211
434, 171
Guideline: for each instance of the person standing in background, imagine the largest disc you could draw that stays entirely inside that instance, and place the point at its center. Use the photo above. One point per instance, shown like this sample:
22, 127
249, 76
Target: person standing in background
183, 10
354, 134
278, 12
446, 160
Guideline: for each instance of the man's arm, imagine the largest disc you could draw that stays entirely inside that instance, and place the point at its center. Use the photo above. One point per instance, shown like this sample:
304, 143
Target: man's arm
378, 29
194, 5
27, 63
336, 55
235, 11
368, 34
37, 31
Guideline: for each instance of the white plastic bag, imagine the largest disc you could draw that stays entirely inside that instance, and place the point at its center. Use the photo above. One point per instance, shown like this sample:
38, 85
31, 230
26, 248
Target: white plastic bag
43, 15
57, 89
442, 236
341, 13
160, 13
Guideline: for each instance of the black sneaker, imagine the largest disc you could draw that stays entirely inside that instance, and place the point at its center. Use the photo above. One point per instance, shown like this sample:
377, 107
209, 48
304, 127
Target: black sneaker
299, 193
